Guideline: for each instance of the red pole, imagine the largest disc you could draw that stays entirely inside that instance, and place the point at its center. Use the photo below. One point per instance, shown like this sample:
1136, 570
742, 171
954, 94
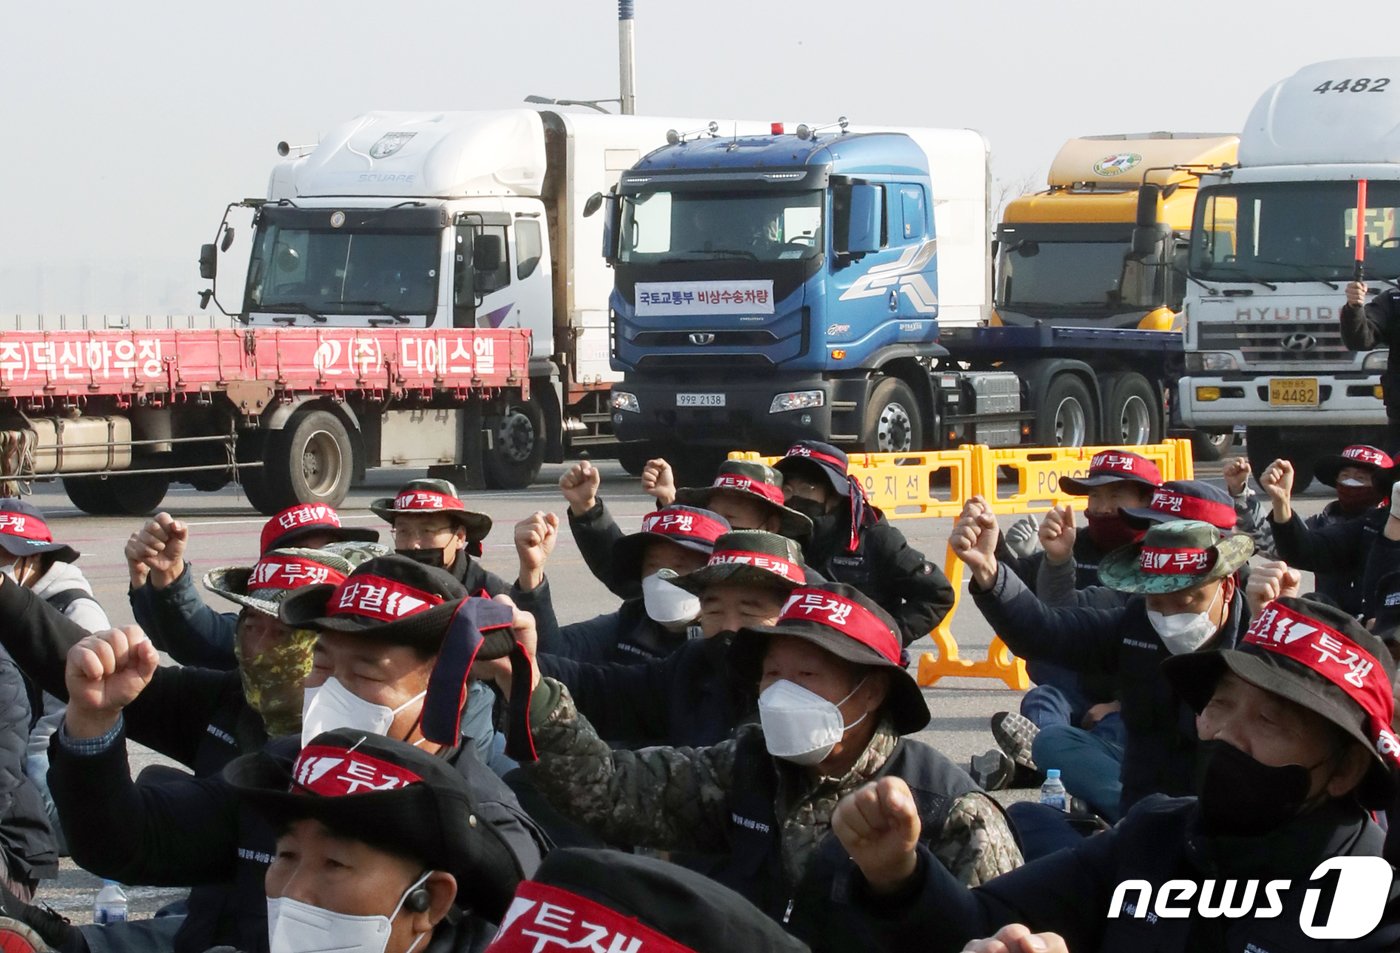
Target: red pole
1359, 272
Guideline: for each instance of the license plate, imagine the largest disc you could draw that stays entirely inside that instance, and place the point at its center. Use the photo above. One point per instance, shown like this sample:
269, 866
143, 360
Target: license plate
699, 400
1293, 392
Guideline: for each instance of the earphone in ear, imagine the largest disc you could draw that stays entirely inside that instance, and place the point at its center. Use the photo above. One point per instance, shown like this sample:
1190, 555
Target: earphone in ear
418, 900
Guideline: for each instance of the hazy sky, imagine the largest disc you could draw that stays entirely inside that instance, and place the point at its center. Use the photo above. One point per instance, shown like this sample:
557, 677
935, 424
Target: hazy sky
130, 126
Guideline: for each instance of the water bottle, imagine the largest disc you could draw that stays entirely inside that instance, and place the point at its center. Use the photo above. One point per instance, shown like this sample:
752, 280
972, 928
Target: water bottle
1052, 792
110, 905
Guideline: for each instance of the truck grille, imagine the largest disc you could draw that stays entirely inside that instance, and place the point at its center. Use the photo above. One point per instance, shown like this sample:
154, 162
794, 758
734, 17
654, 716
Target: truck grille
1283, 342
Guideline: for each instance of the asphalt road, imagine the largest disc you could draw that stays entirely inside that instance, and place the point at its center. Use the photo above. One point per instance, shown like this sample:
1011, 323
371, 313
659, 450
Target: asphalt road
224, 532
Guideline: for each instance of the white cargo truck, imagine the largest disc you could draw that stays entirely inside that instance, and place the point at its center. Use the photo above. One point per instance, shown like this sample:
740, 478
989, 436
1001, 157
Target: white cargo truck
1272, 245
445, 220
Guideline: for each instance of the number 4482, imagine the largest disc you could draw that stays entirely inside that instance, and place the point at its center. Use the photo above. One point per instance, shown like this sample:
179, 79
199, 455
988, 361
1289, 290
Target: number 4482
1362, 85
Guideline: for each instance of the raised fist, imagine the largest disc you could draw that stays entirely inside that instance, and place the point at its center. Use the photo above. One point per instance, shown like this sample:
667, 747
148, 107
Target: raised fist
974, 540
1021, 537
580, 485
160, 545
105, 672
879, 826
659, 480
136, 561
1277, 482
1237, 472
1057, 535
1270, 581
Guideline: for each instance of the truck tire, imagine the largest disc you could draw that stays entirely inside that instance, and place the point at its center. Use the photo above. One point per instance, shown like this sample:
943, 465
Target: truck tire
1132, 411
634, 456
259, 493
1066, 419
135, 494
1264, 445
518, 445
892, 420
311, 460
1211, 446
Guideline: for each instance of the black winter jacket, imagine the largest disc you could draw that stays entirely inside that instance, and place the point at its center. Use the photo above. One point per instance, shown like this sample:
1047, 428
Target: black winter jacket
886, 568
595, 532
195, 716
1076, 892
1355, 549
1087, 556
193, 832
627, 636
1374, 326
180, 624
25, 832
1159, 753
686, 699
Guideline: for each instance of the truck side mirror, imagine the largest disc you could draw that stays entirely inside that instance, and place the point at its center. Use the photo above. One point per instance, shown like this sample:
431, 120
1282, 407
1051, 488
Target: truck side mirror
595, 202
1149, 203
486, 253
610, 223
1150, 241
863, 231
208, 261
227, 241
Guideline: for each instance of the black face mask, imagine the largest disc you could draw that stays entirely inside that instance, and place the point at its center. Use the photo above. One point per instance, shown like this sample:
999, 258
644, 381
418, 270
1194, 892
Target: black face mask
1240, 797
428, 557
808, 508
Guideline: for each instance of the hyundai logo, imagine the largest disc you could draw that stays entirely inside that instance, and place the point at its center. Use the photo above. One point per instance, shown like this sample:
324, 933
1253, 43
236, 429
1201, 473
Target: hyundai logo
1299, 342
702, 338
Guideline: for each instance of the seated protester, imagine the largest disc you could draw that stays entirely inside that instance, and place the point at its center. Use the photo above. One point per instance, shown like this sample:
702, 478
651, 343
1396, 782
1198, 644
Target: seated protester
1295, 747
382, 846
432, 526
852, 542
747, 494
620, 903
835, 708
672, 542
200, 718
1185, 597
1386, 626
168, 607
31, 558
379, 631
688, 698
1348, 554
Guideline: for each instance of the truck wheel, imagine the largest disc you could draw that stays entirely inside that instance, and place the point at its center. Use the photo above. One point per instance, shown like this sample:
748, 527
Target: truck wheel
1264, 445
259, 493
136, 494
518, 448
1067, 417
634, 456
892, 421
1211, 446
1132, 412
311, 460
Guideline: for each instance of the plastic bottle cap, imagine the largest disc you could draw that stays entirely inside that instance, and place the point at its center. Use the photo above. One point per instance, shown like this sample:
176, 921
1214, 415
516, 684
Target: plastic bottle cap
1052, 773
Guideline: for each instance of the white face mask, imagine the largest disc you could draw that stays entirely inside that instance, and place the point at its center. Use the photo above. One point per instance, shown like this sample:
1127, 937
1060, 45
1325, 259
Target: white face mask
1186, 631
1352, 481
332, 706
296, 927
799, 725
667, 604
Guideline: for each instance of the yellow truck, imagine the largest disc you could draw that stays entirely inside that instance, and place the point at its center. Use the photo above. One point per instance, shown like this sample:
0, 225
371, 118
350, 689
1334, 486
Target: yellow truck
1105, 246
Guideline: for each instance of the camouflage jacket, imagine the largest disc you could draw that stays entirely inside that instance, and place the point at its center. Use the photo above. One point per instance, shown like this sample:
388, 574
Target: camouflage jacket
684, 799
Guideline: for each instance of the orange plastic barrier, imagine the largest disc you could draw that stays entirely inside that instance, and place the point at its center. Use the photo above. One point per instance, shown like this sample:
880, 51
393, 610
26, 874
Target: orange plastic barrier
911, 485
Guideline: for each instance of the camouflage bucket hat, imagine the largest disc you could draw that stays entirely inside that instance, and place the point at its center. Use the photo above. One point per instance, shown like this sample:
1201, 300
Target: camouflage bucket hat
758, 481
749, 557
262, 586
1175, 556
425, 497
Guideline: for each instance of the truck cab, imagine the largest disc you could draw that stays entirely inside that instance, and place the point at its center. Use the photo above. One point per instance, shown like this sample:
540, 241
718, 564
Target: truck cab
1273, 243
771, 287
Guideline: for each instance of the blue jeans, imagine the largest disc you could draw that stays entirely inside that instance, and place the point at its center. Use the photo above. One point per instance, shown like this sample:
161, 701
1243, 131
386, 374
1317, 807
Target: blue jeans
1090, 762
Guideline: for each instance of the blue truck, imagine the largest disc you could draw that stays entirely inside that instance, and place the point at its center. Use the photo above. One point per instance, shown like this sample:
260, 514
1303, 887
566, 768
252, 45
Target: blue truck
836, 284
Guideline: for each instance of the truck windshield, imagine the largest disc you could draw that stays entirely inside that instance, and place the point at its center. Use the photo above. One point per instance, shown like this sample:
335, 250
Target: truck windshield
1293, 231
339, 271
1049, 275
697, 226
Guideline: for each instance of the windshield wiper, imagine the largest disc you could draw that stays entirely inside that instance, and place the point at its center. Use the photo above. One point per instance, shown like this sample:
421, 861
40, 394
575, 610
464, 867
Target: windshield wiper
730, 252
296, 306
1306, 271
399, 317
1224, 276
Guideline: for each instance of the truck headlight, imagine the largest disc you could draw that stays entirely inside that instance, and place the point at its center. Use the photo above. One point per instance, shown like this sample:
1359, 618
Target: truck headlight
621, 400
797, 400
1199, 361
1376, 361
